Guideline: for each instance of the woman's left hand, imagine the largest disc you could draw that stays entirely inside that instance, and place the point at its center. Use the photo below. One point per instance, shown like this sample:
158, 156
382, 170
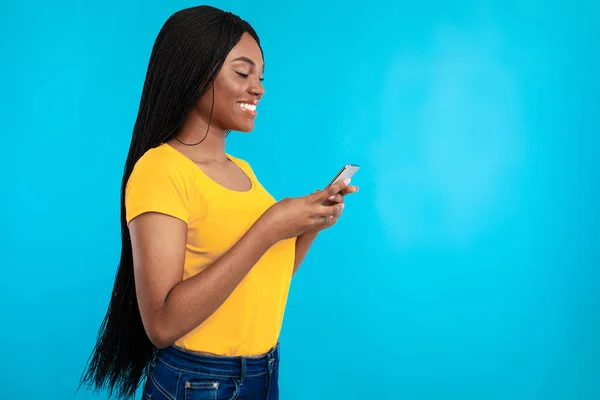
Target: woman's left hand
335, 199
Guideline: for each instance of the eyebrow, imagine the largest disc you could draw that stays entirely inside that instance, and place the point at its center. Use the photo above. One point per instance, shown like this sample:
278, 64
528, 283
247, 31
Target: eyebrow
246, 59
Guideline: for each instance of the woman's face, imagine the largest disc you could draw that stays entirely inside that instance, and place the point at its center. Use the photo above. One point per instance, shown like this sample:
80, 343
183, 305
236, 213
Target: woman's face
237, 88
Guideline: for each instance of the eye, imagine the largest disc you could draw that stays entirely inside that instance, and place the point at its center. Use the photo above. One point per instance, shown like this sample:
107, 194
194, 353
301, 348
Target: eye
245, 76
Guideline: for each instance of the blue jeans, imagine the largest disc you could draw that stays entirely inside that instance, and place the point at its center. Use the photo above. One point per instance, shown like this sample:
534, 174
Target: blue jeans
182, 375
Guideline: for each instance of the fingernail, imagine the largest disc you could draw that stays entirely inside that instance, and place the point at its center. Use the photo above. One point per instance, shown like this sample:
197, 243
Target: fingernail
343, 205
347, 181
331, 198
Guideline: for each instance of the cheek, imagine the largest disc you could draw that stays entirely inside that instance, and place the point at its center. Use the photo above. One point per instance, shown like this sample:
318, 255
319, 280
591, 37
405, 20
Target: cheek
204, 105
231, 88
227, 94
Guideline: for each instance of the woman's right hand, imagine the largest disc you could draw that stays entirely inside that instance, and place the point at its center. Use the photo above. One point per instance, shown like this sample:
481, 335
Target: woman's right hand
292, 217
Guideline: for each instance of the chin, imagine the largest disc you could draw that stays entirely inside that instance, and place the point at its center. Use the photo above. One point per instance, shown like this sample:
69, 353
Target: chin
247, 128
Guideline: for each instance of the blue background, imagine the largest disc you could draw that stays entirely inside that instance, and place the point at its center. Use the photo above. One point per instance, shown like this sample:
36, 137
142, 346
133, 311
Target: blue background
467, 267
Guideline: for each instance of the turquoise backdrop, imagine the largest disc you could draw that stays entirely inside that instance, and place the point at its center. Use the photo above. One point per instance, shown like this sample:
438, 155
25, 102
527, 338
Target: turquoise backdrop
466, 268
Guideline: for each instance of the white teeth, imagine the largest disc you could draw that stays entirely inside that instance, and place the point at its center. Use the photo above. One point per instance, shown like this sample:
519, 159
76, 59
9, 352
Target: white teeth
249, 107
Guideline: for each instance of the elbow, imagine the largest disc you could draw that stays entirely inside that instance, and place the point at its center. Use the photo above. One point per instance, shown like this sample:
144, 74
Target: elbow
160, 343
159, 336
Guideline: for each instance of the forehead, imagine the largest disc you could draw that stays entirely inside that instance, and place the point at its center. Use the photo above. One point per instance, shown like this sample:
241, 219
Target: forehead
247, 47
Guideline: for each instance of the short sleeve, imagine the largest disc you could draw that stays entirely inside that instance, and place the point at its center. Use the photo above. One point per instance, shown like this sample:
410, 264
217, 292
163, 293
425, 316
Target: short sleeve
156, 186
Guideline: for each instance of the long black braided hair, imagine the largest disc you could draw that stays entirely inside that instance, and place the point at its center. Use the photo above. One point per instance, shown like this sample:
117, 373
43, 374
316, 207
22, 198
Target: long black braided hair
187, 56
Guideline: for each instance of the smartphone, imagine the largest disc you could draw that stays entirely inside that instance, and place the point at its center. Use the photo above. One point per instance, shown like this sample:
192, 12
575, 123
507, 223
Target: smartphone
346, 172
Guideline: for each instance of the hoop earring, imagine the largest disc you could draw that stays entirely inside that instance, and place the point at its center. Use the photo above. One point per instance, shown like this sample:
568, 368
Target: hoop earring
209, 120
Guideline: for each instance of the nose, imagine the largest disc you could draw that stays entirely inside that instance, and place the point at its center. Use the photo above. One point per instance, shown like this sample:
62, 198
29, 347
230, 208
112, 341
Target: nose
257, 89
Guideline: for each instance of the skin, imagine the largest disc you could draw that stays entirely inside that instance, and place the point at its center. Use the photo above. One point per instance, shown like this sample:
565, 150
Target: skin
171, 307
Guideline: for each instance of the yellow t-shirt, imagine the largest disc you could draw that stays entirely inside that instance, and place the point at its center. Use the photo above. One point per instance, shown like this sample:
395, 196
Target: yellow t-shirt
249, 321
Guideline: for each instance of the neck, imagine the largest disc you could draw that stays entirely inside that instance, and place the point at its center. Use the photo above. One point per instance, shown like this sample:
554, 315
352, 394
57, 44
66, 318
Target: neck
194, 130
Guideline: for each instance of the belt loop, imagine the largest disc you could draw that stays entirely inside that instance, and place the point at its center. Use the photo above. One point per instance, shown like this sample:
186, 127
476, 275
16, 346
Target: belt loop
270, 361
243, 372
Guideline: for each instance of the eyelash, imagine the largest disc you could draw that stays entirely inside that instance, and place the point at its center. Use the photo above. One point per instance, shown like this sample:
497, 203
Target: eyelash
245, 76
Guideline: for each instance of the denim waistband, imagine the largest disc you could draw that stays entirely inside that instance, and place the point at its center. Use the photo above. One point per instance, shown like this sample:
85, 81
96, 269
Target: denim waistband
218, 366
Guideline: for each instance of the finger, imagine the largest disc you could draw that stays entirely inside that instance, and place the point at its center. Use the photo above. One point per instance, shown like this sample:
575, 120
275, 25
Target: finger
331, 190
327, 211
349, 190
329, 221
336, 198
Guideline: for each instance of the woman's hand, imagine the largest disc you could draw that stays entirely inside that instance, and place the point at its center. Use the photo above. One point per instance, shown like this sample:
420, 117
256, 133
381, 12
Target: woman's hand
335, 199
292, 217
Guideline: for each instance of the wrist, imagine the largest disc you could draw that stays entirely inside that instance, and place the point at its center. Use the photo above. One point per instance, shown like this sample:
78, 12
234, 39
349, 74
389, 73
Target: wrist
263, 230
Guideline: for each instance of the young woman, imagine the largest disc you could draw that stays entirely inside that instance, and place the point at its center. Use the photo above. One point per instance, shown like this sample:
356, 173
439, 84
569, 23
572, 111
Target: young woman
207, 253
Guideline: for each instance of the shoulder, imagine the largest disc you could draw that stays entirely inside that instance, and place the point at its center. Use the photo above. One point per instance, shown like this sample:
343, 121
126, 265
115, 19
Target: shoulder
161, 181
240, 161
161, 156
162, 165
243, 164
164, 160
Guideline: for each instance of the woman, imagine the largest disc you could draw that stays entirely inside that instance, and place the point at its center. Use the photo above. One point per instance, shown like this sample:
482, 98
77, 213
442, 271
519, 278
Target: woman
207, 254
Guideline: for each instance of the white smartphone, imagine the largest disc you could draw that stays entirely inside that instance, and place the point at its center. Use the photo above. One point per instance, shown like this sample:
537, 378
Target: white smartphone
346, 172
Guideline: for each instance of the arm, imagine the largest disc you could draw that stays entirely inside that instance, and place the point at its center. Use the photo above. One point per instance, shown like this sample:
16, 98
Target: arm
171, 307
303, 243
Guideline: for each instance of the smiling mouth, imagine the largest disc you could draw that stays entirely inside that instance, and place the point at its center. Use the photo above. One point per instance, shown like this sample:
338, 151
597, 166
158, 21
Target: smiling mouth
250, 109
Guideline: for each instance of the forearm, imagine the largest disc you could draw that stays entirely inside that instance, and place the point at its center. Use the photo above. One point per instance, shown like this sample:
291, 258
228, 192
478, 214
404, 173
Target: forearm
195, 299
303, 243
